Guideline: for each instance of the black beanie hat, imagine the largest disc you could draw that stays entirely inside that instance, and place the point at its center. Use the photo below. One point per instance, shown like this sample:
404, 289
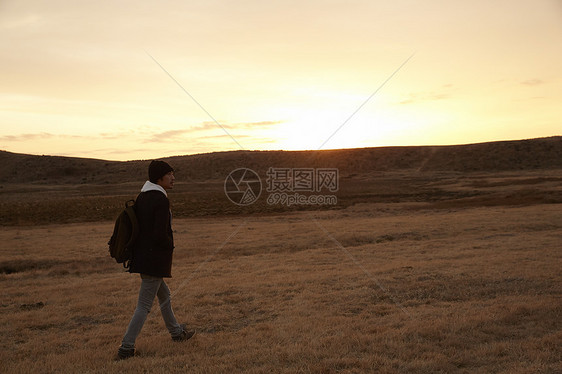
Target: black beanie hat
157, 169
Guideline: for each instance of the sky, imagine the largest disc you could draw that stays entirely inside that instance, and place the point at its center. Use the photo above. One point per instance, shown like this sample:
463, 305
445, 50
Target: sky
127, 80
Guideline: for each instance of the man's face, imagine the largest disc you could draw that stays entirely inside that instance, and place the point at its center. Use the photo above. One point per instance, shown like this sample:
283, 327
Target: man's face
167, 181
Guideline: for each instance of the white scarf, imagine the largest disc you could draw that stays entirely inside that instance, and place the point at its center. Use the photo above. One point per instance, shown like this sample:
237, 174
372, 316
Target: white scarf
149, 186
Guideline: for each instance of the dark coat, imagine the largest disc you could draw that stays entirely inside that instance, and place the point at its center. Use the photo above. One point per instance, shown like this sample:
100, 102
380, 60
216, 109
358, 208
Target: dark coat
153, 249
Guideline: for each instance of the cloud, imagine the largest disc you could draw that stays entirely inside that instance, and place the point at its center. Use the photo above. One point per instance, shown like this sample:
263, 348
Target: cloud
444, 92
423, 97
25, 137
122, 151
40, 135
227, 136
211, 125
145, 141
172, 136
260, 124
178, 134
46, 135
533, 82
166, 136
111, 136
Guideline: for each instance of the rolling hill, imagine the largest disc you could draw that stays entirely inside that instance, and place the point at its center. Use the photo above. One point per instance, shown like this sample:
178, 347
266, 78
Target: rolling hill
532, 154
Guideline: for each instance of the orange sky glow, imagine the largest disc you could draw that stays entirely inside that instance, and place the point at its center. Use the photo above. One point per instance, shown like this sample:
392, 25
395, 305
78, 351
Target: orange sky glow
79, 78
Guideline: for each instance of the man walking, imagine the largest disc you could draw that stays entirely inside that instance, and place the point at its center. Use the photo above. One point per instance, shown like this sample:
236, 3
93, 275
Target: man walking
152, 256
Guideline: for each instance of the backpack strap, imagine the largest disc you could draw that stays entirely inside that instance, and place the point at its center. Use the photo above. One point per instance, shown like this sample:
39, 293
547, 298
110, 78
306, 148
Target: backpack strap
130, 210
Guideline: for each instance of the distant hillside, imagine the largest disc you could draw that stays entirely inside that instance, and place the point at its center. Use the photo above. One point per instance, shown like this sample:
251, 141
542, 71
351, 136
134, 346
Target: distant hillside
533, 154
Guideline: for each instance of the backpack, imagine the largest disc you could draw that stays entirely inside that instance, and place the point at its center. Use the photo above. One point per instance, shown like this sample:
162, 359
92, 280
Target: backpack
124, 235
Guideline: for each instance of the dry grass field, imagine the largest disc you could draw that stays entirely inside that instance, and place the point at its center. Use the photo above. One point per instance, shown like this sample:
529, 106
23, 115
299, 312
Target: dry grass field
434, 260
373, 287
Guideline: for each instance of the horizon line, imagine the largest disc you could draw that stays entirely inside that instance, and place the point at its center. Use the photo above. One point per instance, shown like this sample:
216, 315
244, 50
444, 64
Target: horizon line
284, 150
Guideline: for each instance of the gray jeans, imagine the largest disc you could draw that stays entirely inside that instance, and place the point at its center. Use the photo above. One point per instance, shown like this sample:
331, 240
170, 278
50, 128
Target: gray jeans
149, 289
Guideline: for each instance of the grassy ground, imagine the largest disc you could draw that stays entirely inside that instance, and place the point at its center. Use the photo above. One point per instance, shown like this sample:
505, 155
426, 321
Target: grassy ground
32, 204
383, 288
